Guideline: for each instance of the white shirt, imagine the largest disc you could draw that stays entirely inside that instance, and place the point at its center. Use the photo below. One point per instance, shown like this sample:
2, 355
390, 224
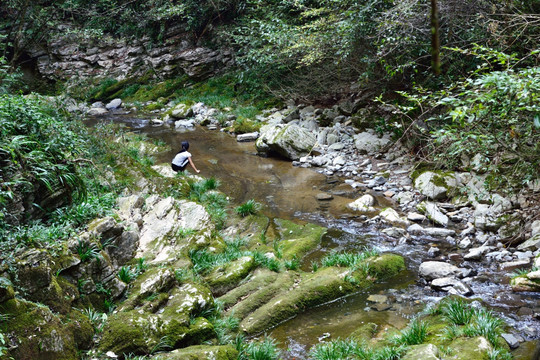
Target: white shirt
181, 159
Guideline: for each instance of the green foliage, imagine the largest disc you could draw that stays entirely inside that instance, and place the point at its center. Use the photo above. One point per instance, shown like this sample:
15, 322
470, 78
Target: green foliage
88, 250
493, 113
347, 259
414, 334
97, 319
457, 311
37, 143
485, 324
351, 349
266, 349
292, 264
250, 207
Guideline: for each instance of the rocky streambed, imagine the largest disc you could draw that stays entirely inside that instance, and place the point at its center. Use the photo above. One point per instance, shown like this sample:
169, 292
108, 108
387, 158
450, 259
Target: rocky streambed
455, 235
162, 279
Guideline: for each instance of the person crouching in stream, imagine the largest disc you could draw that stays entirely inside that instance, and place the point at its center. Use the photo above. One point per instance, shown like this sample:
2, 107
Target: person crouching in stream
182, 158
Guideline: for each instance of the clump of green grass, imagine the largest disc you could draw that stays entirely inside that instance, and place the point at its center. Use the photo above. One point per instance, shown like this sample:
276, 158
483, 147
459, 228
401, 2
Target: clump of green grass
97, 319
457, 312
350, 349
128, 273
198, 188
485, 324
250, 207
348, 259
267, 262
414, 334
266, 349
87, 250
292, 264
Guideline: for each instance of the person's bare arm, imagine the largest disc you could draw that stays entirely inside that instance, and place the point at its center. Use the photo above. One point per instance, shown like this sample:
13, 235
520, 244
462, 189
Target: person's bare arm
193, 165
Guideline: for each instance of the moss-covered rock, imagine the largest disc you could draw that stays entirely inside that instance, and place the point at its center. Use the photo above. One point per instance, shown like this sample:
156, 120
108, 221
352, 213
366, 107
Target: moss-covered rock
201, 352
365, 332
81, 328
386, 265
131, 332
469, 348
225, 277
6, 290
436, 185
311, 290
422, 352
34, 332
259, 290
523, 283
297, 240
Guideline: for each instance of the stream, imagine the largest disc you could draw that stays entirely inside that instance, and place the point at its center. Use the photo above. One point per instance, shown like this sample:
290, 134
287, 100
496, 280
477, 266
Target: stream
291, 193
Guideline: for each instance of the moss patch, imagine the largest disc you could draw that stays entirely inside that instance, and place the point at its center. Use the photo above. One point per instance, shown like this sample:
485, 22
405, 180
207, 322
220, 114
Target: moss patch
386, 265
38, 333
297, 240
225, 277
312, 289
202, 352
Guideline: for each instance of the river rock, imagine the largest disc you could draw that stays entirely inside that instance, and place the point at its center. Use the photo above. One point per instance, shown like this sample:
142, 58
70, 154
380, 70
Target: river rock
369, 143
376, 298
416, 229
512, 340
201, 352
394, 232
290, 141
535, 228
181, 111
531, 244
324, 197
523, 283
405, 197
437, 269
413, 216
247, 137
477, 253
114, 104
433, 213
97, 112
422, 352
451, 284
363, 204
511, 265
436, 186
391, 216
184, 124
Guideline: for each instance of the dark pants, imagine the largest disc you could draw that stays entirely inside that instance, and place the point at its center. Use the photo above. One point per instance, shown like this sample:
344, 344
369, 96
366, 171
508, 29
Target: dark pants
178, 168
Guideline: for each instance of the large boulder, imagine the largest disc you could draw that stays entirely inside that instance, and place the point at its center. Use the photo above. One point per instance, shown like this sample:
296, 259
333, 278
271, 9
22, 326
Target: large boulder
290, 141
182, 111
33, 331
436, 185
369, 143
437, 269
363, 204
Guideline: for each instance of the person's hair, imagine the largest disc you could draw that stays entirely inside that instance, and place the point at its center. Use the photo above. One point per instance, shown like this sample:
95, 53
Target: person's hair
185, 146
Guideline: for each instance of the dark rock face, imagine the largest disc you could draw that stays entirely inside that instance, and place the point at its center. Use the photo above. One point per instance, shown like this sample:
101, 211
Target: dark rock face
70, 57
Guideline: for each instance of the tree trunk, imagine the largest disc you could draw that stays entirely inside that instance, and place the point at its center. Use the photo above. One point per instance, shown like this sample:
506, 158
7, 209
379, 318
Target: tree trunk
435, 43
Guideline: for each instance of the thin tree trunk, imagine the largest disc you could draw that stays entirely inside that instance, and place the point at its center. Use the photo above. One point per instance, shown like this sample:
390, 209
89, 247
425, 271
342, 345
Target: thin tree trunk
435, 43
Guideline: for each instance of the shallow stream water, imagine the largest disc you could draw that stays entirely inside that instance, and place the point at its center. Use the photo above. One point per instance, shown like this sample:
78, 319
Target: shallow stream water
291, 193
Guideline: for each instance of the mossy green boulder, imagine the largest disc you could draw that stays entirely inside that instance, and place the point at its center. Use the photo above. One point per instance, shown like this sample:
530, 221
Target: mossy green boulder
296, 240
225, 277
200, 352
35, 332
